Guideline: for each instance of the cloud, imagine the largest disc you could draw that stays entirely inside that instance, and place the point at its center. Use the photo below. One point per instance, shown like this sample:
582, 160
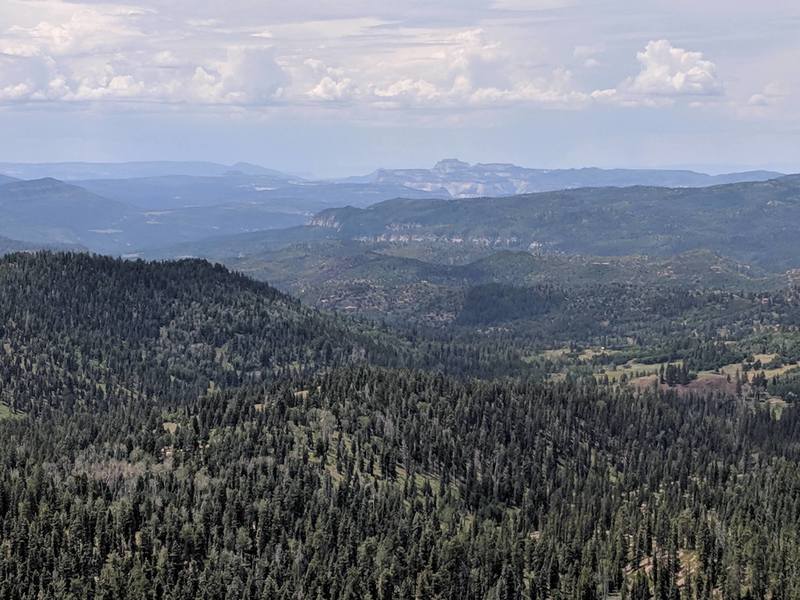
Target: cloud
28, 78
467, 71
115, 53
74, 52
670, 71
249, 76
245, 77
85, 29
667, 74
773, 93
330, 89
587, 55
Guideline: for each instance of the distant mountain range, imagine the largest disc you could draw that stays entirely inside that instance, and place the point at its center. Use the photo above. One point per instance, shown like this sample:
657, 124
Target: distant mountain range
126, 208
119, 216
73, 171
461, 180
754, 222
450, 178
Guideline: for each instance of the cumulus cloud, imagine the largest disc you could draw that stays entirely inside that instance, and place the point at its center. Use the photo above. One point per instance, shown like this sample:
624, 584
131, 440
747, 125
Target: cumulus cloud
330, 89
773, 93
327, 84
246, 76
670, 71
85, 29
667, 74
466, 71
102, 52
249, 76
105, 52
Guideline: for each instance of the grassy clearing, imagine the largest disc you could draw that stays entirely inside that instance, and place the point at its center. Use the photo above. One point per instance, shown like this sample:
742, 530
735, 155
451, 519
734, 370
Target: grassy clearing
554, 353
732, 368
590, 353
630, 370
7, 413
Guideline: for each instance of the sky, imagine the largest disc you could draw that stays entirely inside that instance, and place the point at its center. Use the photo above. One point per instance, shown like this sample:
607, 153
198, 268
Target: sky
342, 87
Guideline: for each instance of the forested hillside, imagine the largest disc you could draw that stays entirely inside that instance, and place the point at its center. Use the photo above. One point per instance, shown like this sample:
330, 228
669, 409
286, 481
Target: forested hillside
173, 430
383, 281
752, 222
163, 331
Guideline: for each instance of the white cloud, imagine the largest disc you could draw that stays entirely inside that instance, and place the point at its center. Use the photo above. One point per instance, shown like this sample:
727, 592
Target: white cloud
667, 74
409, 92
330, 89
85, 29
467, 71
106, 52
27, 78
588, 55
773, 93
247, 76
361, 58
670, 71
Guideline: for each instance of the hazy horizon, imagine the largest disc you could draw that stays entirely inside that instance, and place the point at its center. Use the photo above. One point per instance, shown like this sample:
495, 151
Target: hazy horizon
357, 171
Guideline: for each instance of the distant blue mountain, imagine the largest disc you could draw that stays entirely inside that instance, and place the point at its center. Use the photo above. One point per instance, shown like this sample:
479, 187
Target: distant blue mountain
72, 171
461, 180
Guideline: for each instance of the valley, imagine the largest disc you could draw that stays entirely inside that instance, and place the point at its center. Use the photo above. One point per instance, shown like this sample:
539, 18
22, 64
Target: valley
415, 398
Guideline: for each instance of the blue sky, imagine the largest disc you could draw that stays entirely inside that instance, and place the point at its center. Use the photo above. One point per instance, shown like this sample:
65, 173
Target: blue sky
335, 88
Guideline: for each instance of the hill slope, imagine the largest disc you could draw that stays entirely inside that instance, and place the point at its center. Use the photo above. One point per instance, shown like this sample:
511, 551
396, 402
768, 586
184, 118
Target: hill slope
48, 211
123, 325
751, 222
179, 440
368, 280
51, 211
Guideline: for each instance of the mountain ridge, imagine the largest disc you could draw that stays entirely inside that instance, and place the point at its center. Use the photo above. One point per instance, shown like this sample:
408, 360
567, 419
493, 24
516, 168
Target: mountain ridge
752, 222
464, 180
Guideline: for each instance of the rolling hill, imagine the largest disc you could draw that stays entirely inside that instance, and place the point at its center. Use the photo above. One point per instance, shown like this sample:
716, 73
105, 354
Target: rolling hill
360, 278
54, 213
48, 211
188, 323
753, 223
